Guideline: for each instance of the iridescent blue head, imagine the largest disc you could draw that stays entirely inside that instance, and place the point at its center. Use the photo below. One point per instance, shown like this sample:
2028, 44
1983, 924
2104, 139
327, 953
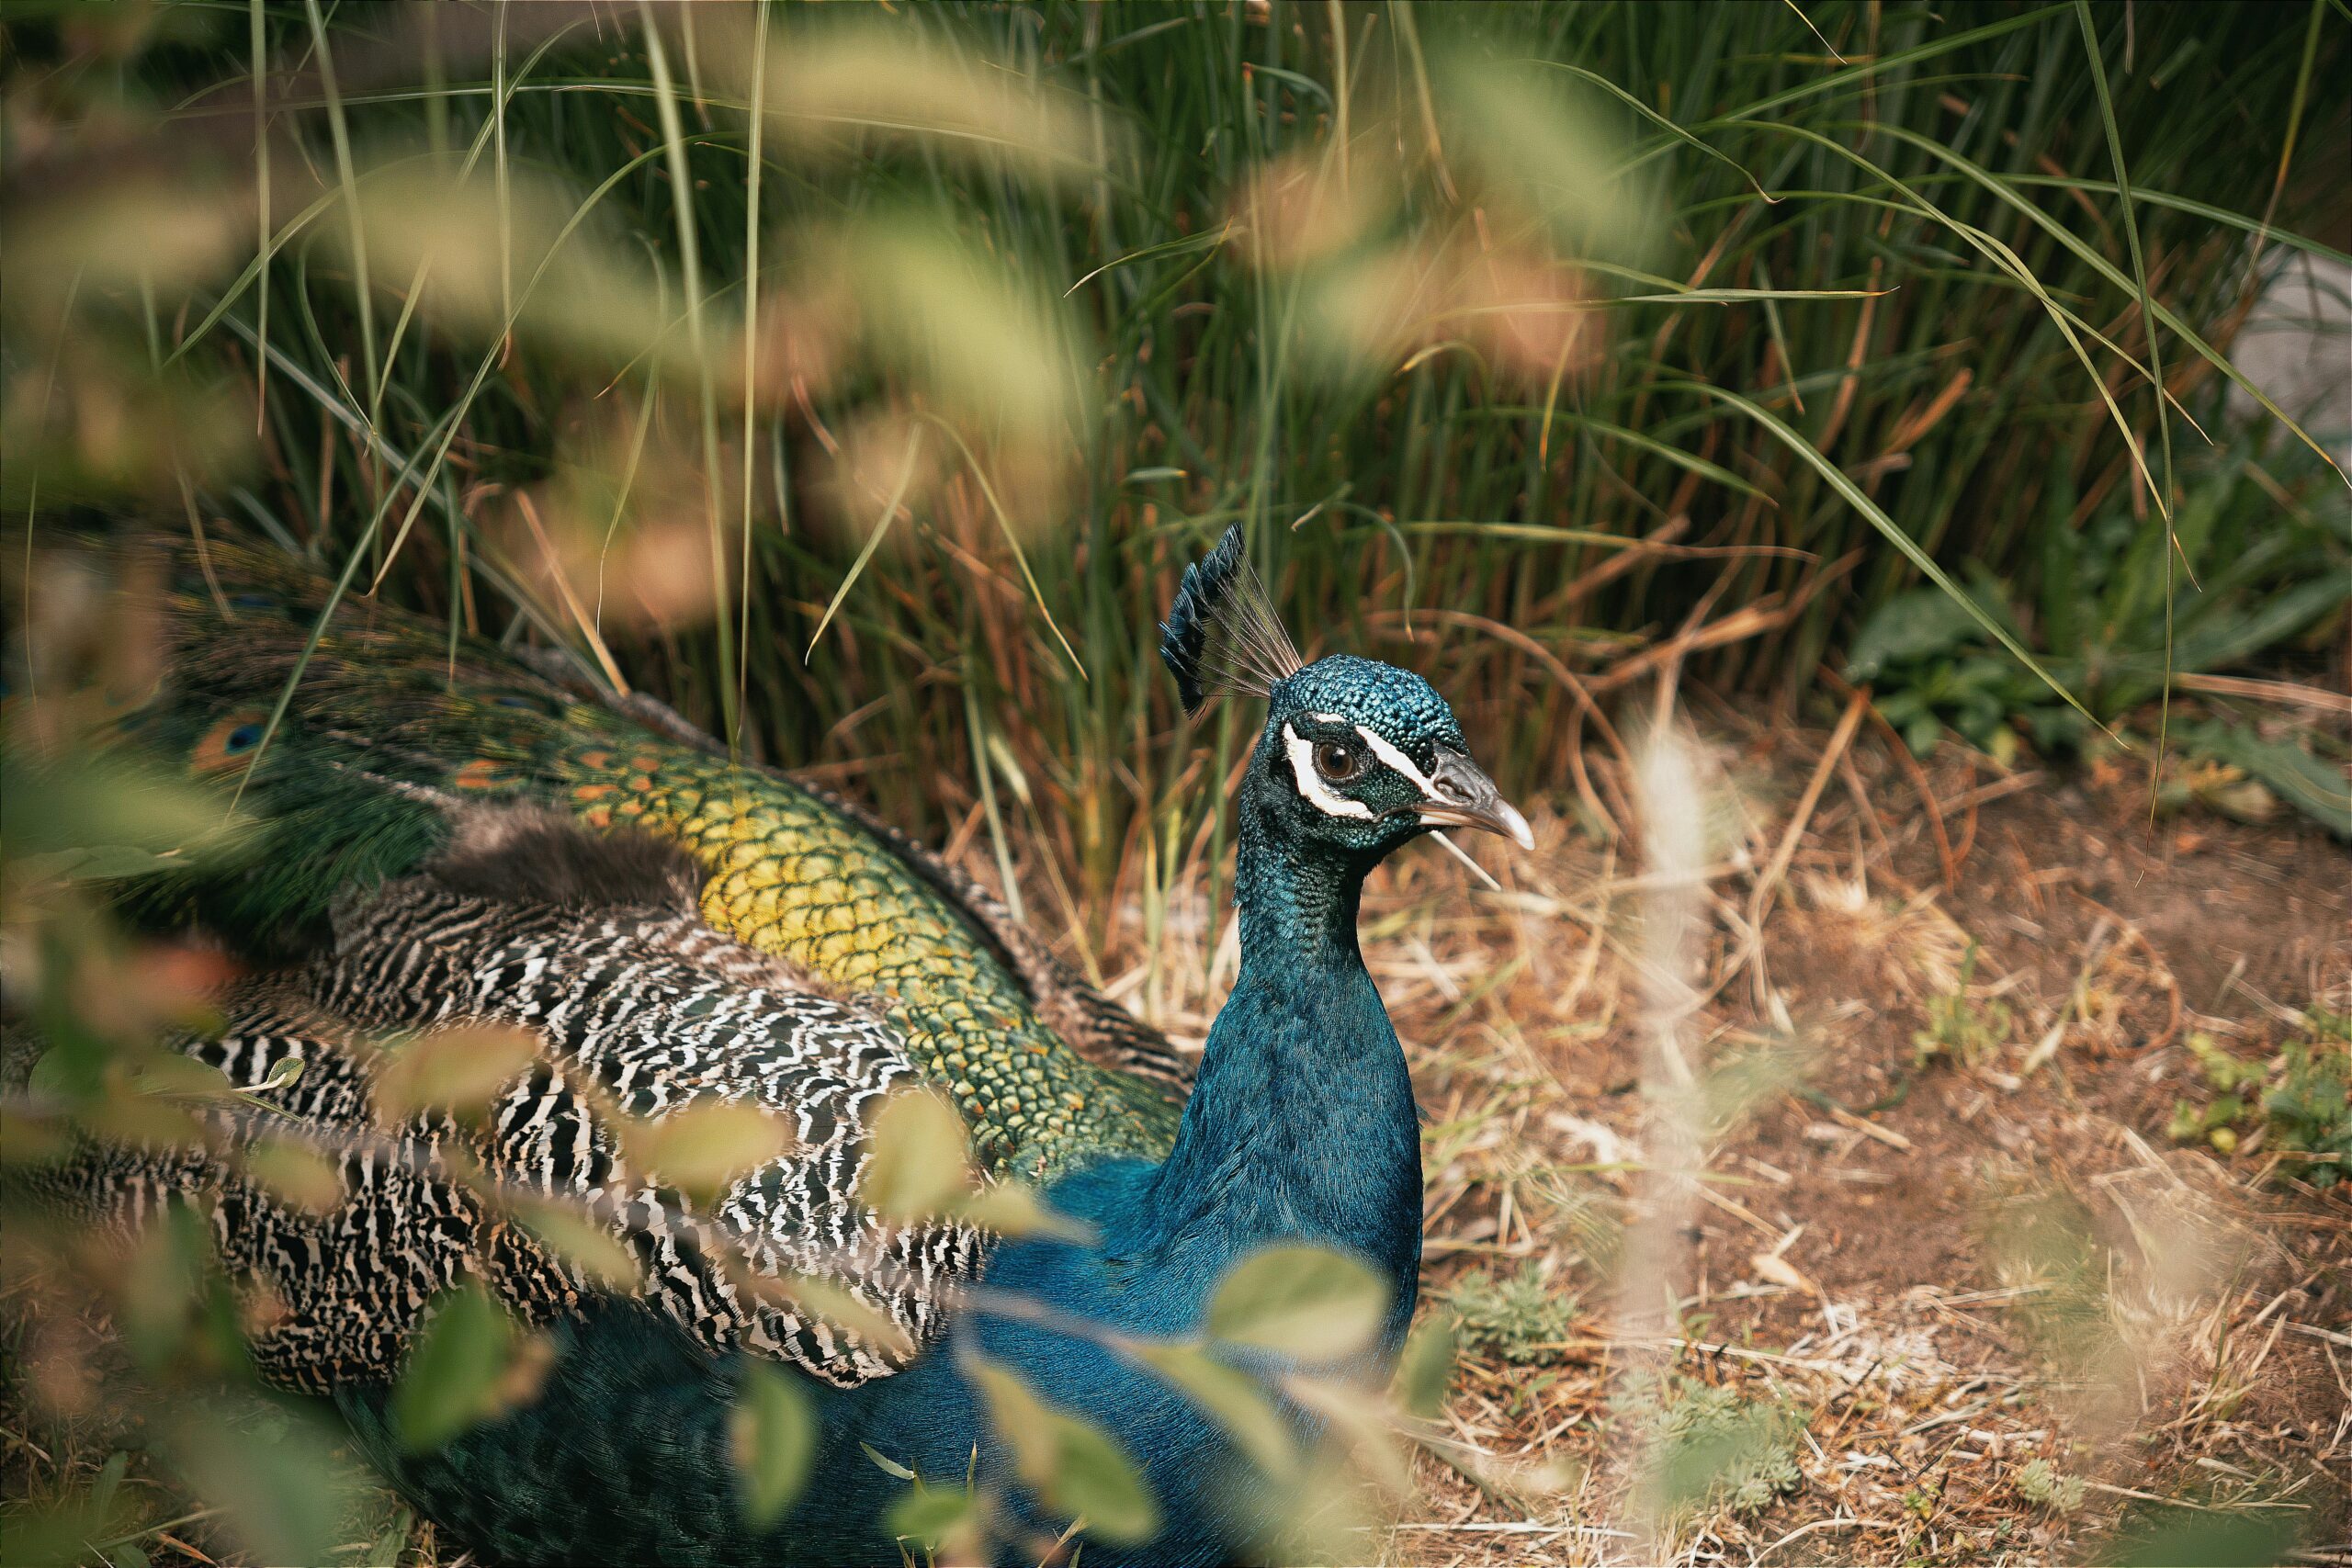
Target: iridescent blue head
1356, 754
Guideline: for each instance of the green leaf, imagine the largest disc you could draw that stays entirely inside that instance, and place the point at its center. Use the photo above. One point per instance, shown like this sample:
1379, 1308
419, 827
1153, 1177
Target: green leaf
1094, 1482
838, 1305
109, 1481
1365, 1428
458, 1070
921, 1163
2228, 639
2217, 1539
2312, 786
961, 324
587, 1247
1234, 1399
1553, 153
453, 1372
1426, 1367
773, 1436
1299, 1300
1075, 1469
294, 1174
280, 1494
1021, 1418
1014, 1209
887, 1465
703, 1147
386, 1550
1908, 628
25, 1140
89, 816
929, 1515
38, 1536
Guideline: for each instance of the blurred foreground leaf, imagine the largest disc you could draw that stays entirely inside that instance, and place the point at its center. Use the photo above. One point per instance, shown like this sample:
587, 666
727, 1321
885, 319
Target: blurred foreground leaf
920, 1162
270, 1473
2178, 1540
91, 816
1426, 1368
933, 1516
827, 87
534, 248
1544, 145
454, 1372
587, 1247
1234, 1399
1075, 1469
774, 1433
702, 1148
37, 1537
294, 1174
457, 1070
1014, 1209
1308, 1302
839, 1307
986, 344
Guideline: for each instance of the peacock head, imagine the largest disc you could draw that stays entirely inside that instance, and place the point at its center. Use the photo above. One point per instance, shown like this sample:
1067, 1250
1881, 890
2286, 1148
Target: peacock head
1356, 754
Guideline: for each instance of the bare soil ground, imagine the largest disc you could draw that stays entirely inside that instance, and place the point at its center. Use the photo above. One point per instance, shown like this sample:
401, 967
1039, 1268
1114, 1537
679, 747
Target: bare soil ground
1978, 1308
1931, 1275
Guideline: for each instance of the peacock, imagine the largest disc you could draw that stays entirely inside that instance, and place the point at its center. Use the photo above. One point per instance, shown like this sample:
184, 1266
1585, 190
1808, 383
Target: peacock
446, 836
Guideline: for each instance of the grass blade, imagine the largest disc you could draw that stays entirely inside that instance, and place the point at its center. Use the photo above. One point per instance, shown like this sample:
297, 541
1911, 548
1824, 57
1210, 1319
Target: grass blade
1852, 494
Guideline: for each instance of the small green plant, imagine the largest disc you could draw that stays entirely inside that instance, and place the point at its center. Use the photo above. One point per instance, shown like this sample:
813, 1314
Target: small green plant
1960, 1028
2117, 615
1520, 1317
1718, 1444
2046, 1486
2297, 1103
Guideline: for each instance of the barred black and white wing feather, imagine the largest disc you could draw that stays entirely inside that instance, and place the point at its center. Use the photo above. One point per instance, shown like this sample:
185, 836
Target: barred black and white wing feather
594, 944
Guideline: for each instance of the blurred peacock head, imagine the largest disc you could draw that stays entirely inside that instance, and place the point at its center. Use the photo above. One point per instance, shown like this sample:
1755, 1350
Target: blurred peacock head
1356, 753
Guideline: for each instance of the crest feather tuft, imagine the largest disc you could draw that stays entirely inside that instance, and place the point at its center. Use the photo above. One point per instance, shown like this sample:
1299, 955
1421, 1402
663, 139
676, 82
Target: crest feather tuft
1221, 632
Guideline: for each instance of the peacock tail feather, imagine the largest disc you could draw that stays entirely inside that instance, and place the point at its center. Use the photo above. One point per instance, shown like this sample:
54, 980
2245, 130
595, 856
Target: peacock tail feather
392, 721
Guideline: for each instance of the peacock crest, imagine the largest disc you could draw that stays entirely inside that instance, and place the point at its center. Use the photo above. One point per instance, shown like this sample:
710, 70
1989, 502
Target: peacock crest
1222, 634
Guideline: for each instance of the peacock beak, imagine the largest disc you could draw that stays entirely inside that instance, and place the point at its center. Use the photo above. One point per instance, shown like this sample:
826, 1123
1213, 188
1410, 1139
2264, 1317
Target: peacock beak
1462, 796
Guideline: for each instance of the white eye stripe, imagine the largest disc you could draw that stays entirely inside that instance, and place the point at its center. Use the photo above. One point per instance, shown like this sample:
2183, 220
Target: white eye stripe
1319, 795
1399, 761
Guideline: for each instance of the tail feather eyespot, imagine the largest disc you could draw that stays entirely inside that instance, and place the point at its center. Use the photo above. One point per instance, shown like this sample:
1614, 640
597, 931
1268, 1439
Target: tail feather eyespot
232, 742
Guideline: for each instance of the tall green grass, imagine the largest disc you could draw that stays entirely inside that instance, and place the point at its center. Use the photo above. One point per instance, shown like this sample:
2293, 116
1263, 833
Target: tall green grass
1542, 346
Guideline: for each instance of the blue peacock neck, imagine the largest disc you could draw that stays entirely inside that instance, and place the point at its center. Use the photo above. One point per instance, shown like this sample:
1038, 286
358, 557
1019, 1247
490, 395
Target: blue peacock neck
1300, 1127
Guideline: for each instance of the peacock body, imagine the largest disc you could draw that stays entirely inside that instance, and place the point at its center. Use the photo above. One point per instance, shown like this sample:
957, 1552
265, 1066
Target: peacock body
446, 837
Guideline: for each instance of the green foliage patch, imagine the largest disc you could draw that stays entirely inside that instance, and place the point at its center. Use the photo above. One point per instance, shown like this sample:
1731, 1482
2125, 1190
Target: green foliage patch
1522, 1317
2120, 613
2297, 1103
1960, 1028
1716, 1446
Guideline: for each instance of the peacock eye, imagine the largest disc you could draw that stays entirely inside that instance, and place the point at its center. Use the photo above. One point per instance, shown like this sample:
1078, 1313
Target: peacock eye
1336, 760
